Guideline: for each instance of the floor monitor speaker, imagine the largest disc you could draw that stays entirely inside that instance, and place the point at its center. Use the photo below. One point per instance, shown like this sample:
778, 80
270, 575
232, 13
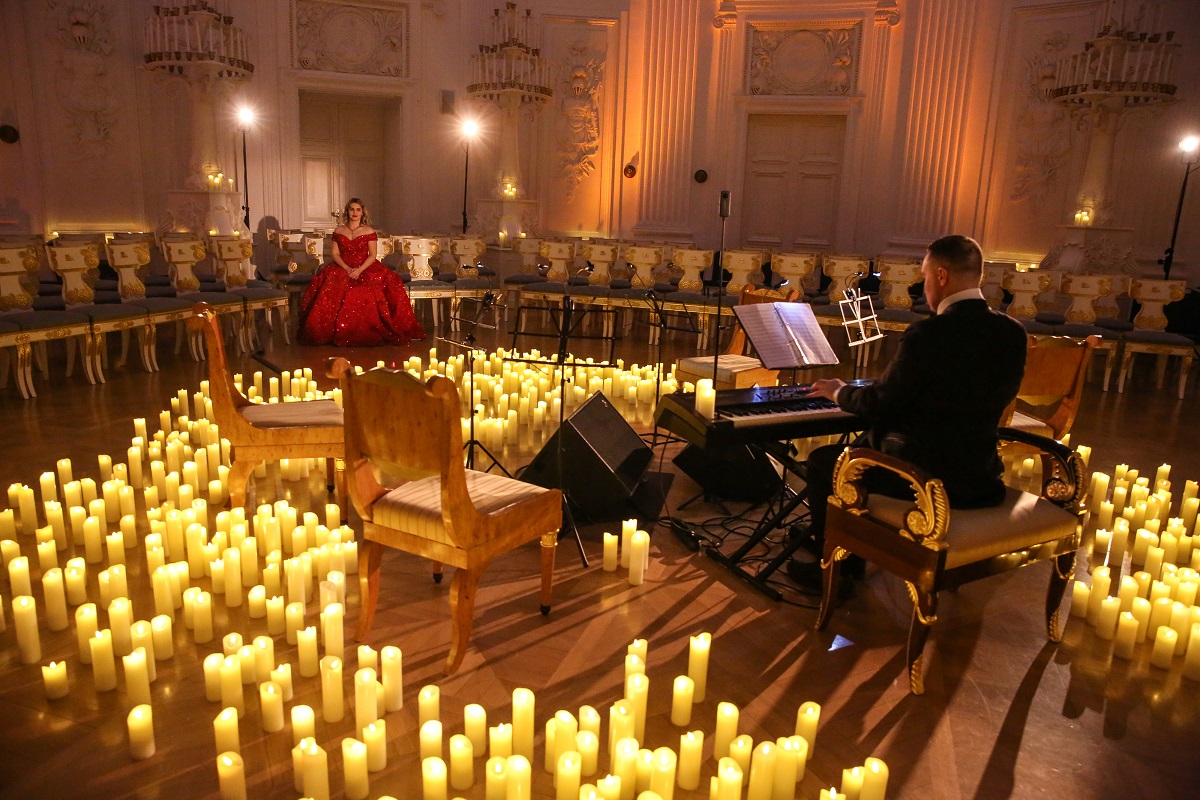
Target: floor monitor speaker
732, 472
603, 460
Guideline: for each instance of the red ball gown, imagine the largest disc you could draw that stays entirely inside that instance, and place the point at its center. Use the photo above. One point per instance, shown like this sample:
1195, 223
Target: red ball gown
372, 309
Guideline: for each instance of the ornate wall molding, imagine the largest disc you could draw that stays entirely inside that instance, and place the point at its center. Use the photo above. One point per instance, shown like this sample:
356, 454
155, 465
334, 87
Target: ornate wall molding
887, 12
577, 127
83, 79
355, 38
811, 59
1042, 131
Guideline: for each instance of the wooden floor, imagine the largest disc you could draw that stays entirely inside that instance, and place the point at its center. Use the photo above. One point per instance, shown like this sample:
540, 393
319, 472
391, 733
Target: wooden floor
1004, 715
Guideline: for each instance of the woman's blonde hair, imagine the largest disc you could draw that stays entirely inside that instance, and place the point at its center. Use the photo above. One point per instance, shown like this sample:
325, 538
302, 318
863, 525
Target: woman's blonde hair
366, 217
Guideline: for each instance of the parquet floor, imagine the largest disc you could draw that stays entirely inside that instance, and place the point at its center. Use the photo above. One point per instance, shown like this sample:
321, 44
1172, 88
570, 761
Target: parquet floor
1004, 715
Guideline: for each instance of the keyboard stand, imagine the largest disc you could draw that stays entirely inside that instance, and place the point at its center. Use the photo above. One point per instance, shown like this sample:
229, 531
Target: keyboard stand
769, 523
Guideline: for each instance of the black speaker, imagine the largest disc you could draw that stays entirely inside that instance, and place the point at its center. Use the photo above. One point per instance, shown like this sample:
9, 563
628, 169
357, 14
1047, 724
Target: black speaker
603, 460
733, 472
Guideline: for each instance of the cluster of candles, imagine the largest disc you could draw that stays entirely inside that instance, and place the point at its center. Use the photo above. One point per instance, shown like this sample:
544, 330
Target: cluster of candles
511, 398
278, 562
1083, 218
1154, 572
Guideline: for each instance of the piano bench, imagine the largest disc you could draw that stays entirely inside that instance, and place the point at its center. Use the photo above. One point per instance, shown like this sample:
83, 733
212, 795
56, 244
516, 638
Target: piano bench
733, 371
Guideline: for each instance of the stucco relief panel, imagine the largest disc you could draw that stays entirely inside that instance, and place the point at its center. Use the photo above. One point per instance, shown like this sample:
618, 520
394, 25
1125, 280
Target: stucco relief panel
361, 39
577, 125
1042, 140
813, 59
83, 79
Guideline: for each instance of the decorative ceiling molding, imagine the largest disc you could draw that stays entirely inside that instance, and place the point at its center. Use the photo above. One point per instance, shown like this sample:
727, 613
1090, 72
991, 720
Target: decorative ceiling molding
355, 38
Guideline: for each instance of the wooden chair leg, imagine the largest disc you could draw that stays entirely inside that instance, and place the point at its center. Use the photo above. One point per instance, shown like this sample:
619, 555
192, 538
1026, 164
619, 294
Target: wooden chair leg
549, 547
1183, 373
1062, 570
462, 609
831, 568
370, 554
924, 615
239, 479
437, 572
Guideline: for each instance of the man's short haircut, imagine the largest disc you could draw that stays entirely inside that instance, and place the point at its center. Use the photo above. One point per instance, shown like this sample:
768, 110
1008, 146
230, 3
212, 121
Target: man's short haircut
958, 254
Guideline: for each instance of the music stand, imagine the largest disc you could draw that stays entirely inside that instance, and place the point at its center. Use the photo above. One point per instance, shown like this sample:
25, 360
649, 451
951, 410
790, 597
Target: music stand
468, 343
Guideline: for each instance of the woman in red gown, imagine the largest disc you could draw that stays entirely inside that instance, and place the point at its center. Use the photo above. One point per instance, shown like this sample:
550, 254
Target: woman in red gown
355, 301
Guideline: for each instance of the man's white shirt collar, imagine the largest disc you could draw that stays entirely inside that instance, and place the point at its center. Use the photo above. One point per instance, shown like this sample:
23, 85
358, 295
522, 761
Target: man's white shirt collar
965, 294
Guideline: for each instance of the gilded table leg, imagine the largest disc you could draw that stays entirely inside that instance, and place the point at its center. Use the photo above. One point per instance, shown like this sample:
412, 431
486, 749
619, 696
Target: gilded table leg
924, 615
25, 371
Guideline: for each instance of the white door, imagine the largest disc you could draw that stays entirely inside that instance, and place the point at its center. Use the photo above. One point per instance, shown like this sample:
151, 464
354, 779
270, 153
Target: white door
342, 155
793, 171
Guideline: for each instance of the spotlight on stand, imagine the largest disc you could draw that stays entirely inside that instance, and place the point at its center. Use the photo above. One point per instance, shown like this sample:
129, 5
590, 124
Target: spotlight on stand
245, 118
470, 129
1190, 148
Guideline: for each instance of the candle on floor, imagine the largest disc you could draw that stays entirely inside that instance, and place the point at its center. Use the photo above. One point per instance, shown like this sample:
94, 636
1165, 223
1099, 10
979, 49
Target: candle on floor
475, 727
231, 776
137, 677
431, 739
315, 765
428, 704
354, 768
761, 785
141, 731
627, 530
496, 778
500, 741
729, 780
698, 650
433, 778
462, 765
56, 600
306, 648
375, 738
1164, 648
29, 641
638, 557
681, 701
807, 717
333, 700
610, 552
726, 732
54, 680
522, 723
691, 745
391, 665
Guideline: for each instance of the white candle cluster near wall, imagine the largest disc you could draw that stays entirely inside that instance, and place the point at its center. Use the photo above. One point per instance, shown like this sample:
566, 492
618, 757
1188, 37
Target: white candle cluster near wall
1145, 573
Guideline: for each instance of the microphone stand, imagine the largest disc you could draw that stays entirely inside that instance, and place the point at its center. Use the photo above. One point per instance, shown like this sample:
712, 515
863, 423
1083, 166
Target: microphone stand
469, 342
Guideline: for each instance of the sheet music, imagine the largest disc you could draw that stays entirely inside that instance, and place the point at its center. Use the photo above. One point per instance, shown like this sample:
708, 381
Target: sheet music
786, 335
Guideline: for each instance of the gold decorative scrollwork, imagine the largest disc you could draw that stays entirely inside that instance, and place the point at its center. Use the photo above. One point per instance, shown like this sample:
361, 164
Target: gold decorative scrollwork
235, 279
91, 256
20, 300
188, 284
925, 522
839, 554
915, 596
29, 260
23, 338
247, 250
142, 251
75, 297
132, 289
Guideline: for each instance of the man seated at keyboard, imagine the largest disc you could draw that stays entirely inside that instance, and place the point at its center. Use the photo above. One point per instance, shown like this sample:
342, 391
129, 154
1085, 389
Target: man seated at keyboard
938, 403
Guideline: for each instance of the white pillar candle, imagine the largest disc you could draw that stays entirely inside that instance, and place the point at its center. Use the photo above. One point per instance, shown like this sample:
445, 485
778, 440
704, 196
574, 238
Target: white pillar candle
306, 648
662, 773
1164, 648
691, 745
637, 690
522, 724
276, 619
271, 702
729, 780
1141, 612
202, 618
19, 583
375, 738
807, 717
56, 600
1106, 619
681, 701
392, 668
294, 623
29, 641
231, 776
638, 557
331, 620
475, 727
698, 651
431, 739
232, 694
333, 699
627, 530
741, 750
587, 744
500, 741
366, 700
875, 779
726, 731
137, 677
433, 779
1126, 636
54, 680
762, 772
567, 776
496, 778
788, 755
610, 552
462, 765
141, 731
428, 704
316, 771
225, 731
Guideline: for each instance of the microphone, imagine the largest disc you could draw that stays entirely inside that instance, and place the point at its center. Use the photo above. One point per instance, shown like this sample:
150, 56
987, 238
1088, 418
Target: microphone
650, 294
487, 300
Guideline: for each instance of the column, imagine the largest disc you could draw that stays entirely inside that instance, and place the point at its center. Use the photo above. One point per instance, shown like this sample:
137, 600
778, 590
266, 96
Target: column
669, 81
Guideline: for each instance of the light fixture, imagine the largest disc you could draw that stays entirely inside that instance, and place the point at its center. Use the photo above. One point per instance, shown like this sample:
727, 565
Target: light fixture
1189, 146
470, 129
245, 118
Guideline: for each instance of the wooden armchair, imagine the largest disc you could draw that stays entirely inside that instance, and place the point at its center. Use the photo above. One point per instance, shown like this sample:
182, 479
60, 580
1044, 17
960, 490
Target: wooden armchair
1055, 369
441, 510
931, 547
265, 431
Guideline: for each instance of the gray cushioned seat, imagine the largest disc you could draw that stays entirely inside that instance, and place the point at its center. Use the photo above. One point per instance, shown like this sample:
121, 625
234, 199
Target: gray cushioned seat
49, 303
8, 327
1050, 318
1114, 324
473, 284
306, 413
899, 315
160, 304
1022, 520
523, 278
1036, 328
259, 293
1080, 331
1158, 337
110, 312
40, 320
